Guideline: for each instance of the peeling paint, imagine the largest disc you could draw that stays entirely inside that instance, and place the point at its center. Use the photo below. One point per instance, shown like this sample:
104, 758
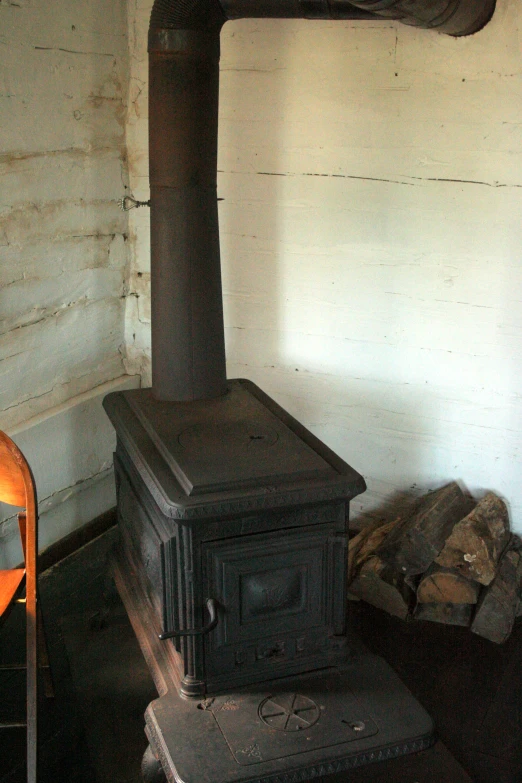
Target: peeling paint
62, 170
31, 220
75, 153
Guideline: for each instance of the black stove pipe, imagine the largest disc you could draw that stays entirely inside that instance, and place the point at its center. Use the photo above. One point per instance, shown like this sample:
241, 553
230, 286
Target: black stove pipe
188, 347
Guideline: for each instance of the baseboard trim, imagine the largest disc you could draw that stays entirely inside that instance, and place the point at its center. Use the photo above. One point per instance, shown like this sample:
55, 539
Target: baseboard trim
75, 540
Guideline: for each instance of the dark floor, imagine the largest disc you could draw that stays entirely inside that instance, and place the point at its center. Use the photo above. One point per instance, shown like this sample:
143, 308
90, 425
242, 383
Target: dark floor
93, 731
471, 687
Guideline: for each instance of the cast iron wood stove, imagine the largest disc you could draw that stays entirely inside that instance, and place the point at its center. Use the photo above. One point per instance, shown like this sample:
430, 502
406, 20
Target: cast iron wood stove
246, 534
233, 517
232, 566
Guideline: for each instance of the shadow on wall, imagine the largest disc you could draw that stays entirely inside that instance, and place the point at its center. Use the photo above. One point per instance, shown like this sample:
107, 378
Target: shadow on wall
294, 248
367, 235
70, 454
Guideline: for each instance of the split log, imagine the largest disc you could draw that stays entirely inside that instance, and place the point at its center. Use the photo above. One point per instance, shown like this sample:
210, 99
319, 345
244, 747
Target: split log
441, 585
449, 614
363, 545
355, 544
477, 542
413, 544
497, 608
378, 585
516, 544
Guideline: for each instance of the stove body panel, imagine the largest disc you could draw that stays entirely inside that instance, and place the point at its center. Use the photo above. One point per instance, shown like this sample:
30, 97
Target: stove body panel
271, 553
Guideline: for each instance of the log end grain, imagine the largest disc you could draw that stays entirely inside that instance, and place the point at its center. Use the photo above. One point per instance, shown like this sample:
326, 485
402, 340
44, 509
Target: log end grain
477, 542
446, 585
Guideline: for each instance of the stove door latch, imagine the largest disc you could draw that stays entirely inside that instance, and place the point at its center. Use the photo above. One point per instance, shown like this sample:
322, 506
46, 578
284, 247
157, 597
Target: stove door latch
212, 613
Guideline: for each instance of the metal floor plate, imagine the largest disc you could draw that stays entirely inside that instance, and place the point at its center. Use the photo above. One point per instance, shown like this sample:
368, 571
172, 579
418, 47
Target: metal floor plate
260, 734
261, 726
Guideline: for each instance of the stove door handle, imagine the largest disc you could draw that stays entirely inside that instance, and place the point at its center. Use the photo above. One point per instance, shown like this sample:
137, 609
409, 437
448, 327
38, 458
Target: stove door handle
212, 612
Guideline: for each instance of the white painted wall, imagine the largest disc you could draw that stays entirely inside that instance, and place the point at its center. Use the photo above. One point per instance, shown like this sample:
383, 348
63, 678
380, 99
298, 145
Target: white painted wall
63, 84
370, 238
70, 450
63, 254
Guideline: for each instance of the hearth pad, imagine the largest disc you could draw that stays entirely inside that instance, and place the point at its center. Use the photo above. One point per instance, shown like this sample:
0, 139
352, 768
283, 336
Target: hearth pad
273, 724
258, 734
290, 730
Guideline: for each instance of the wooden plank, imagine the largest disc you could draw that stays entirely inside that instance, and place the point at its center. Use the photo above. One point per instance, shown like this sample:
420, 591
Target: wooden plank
476, 543
498, 604
413, 544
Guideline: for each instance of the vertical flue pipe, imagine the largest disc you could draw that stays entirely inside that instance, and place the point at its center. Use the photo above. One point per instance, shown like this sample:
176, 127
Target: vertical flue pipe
187, 312
188, 347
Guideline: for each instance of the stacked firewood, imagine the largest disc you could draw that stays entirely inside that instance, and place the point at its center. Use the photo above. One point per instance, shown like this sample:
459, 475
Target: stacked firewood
450, 560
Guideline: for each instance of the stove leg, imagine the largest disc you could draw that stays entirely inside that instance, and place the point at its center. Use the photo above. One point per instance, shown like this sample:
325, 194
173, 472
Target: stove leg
151, 769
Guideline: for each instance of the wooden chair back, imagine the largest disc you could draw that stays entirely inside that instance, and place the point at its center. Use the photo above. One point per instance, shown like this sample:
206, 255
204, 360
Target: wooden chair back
14, 473
17, 488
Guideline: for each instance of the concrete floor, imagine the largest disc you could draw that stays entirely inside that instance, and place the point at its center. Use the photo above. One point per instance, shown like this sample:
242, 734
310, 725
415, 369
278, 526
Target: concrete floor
93, 731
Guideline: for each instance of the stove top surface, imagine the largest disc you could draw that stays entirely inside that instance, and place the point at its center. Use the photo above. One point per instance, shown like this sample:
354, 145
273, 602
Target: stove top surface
233, 454
226, 443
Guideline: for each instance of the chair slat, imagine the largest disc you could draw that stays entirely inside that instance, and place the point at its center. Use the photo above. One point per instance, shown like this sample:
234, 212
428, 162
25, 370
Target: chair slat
12, 483
17, 488
10, 583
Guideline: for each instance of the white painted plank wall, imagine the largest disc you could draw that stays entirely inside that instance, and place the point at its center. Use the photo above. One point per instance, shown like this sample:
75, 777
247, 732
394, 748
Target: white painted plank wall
70, 450
63, 91
63, 251
371, 235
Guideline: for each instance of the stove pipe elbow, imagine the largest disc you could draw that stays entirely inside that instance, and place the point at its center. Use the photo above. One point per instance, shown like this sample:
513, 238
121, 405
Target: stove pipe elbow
186, 15
453, 17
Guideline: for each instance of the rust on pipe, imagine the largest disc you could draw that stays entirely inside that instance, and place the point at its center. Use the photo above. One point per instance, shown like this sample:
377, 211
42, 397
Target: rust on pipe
188, 346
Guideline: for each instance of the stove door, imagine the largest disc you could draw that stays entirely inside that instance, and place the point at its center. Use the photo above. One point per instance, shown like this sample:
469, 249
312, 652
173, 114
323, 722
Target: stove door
281, 600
